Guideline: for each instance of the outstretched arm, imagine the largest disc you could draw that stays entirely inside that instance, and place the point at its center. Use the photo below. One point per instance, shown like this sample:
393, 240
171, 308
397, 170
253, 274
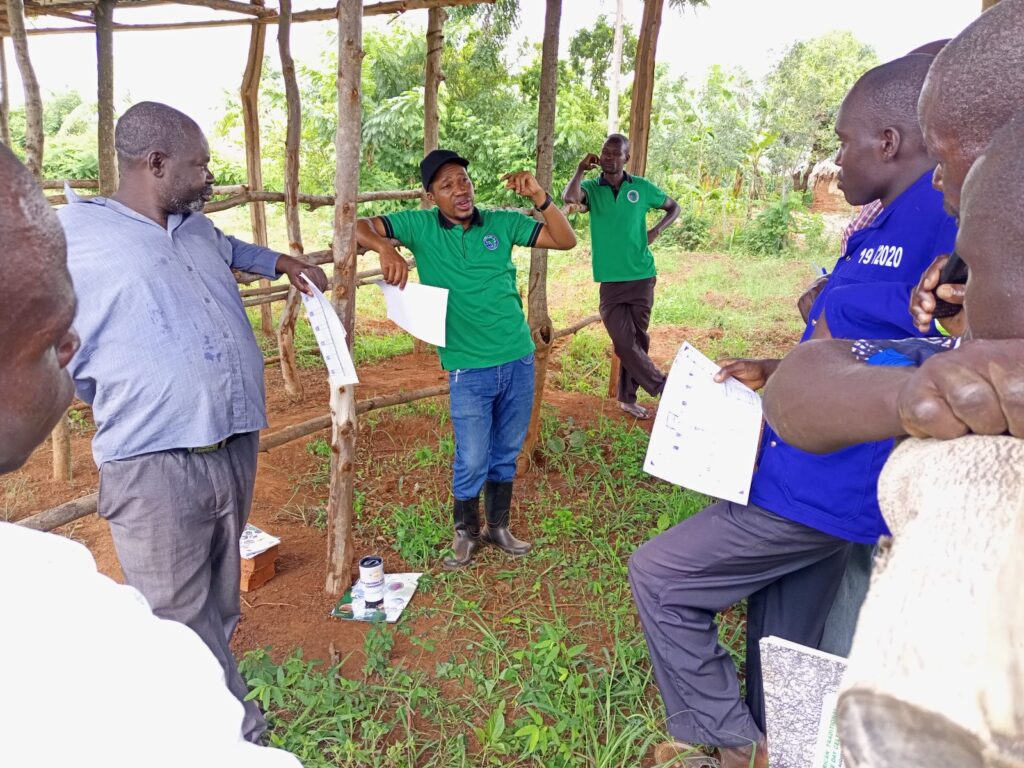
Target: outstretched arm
557, 232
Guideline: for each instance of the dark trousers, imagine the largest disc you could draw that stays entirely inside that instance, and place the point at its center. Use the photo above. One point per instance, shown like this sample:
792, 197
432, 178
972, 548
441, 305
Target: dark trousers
176, 518
626, 313
682, 578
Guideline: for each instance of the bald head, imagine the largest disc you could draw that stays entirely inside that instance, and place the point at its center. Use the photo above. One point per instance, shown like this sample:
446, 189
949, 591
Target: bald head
37, 305
975, 85
153, 127
991, 236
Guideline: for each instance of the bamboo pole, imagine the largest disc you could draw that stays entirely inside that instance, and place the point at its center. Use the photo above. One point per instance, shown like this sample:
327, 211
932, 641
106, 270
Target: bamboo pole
537, 301
340, 546
290, 314
103, 15
5, 97
316, 14
250, 98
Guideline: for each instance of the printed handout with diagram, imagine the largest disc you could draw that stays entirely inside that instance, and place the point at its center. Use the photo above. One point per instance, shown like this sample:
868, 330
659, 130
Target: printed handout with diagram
330, 336
418, 309
705, 436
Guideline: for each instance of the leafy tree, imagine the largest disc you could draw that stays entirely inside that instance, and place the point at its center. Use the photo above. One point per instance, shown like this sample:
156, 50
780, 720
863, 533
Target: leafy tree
590, 53
803, 93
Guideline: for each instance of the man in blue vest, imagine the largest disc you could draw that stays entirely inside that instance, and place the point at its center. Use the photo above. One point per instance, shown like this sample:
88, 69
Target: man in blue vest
787, 549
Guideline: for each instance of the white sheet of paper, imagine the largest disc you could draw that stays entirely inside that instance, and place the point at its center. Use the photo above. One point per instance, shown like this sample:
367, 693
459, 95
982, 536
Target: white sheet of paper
255, 541
330, 335
419, 309
705, 435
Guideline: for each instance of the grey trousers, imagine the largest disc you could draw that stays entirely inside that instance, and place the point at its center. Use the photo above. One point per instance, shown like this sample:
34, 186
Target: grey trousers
682, 578
626, 313
853, 591
176, 518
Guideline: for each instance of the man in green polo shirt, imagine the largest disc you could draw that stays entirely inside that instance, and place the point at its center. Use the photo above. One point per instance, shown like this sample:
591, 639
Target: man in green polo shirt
622, 260
489, 350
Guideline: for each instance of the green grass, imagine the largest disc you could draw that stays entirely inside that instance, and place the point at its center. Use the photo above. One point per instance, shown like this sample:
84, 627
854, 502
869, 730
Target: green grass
545, 663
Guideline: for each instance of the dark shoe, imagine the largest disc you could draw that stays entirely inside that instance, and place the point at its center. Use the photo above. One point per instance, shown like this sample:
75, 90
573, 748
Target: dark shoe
754, 756
497, 509
467, 532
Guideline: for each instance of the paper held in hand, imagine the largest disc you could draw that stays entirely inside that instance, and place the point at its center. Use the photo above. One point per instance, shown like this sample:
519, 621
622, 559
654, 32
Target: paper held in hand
706, 434
419, 309
330, 336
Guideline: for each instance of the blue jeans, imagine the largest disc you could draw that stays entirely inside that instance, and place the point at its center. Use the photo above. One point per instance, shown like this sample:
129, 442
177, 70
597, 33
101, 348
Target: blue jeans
490, 410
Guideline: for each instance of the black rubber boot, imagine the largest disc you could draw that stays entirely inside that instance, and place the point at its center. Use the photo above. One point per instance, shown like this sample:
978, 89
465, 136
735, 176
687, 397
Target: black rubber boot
497, 508
467, 532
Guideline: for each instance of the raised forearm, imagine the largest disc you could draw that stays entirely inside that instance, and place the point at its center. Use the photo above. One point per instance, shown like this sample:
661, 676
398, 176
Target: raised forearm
573, 192
821, 399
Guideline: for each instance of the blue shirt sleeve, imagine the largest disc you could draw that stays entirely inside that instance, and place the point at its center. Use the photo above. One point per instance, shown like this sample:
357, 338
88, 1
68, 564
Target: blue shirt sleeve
249, 257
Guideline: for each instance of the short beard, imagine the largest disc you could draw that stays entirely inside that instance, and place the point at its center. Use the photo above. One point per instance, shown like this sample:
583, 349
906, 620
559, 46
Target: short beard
182, 205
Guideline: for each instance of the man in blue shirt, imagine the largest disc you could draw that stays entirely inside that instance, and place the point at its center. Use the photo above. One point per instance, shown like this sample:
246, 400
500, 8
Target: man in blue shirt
172, 370
787, 549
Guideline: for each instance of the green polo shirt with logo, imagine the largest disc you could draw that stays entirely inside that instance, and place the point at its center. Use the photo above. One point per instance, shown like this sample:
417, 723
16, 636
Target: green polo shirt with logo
618, 228
485, 325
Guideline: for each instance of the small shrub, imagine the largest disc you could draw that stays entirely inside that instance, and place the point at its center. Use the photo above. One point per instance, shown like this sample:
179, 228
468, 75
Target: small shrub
691, 232
771, 231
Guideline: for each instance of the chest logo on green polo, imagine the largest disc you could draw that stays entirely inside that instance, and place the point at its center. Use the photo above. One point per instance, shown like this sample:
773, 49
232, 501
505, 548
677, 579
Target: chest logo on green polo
491, 242
633, 196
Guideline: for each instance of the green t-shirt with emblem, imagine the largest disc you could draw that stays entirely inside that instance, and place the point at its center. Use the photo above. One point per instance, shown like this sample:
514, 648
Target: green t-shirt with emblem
618, 228
485, 325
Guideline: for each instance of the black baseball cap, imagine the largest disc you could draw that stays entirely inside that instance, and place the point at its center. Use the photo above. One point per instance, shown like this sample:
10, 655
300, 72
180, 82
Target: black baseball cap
432, 163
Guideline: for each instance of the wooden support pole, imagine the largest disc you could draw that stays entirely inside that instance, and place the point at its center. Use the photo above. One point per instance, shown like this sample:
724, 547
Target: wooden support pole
33, 102
643, 86
312, 201
340, 545
293, 135
103, 16
250, 98
986, 4
432, 77
537, 301
5, 96
61, 515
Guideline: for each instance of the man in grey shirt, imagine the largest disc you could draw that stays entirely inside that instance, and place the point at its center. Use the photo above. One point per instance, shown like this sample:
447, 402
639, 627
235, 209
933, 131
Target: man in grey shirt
172, 370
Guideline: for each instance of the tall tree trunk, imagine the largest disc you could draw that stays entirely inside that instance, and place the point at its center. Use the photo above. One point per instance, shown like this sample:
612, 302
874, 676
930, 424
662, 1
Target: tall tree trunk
33, 103
643, 86
103, 16
539, 319
250, 97
340, 546
290, 314
614, 71
5, 97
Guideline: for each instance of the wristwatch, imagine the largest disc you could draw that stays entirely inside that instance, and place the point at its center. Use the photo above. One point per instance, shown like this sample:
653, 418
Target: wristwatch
544, 206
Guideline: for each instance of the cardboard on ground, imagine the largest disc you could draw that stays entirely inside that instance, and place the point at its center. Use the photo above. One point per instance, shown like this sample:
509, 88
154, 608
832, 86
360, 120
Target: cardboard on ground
706, 434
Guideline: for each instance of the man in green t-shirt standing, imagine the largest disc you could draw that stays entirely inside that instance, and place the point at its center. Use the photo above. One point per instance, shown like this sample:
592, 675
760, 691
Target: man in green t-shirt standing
622, 260
488, 350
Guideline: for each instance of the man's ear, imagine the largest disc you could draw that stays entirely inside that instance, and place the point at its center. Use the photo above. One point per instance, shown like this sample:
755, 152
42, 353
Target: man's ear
156, 162
430, 197
890, 143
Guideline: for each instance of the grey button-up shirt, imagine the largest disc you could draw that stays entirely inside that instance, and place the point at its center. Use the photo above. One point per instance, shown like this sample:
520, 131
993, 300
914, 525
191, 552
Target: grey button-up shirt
168, 357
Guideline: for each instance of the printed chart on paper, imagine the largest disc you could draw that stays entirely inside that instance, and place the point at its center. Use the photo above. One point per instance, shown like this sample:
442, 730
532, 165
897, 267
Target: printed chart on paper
706, 434
330, 336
